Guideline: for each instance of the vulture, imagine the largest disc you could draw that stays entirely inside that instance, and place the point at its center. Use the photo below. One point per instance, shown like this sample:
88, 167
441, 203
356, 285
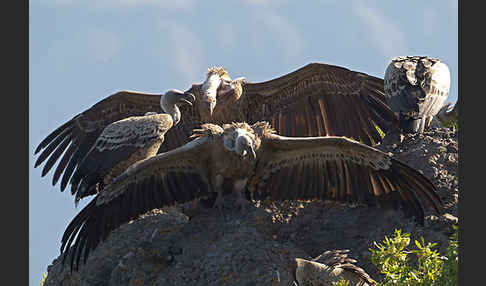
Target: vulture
315, 100
329, 268
416, 88
274, 167
125, 142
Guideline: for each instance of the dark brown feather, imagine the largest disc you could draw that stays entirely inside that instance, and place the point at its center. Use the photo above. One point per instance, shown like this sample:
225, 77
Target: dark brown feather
334, 91
84, 128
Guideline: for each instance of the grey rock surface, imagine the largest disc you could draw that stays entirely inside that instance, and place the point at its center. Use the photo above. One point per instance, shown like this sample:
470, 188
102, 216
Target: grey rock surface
256, 247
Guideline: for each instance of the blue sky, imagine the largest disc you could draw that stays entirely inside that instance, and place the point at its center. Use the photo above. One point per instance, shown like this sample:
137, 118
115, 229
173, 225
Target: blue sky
82, 51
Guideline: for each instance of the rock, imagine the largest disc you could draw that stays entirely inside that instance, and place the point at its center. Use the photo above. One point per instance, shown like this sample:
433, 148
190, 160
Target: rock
257, 247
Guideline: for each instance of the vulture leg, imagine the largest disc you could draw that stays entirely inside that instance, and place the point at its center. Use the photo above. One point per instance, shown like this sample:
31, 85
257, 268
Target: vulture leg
428, 122
217, 182
239, 187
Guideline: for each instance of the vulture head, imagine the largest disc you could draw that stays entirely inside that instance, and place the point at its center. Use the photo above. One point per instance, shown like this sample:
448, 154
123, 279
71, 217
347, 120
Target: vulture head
171, 98
218, 82
241, 139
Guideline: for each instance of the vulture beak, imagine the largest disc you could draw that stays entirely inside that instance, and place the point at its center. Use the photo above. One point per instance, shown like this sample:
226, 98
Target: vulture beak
249, 150
244, 146
188, 98
252, 152
210, 89
209, 106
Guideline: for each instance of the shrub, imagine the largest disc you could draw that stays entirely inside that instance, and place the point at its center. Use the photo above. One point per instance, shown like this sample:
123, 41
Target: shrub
421, 266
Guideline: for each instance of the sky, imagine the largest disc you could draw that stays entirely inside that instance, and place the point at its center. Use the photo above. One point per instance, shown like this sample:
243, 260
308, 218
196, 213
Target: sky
83, 51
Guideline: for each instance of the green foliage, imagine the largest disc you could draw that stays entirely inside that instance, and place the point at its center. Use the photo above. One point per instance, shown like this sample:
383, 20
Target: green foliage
450, 122
393, 260
450, 270
44, 277
416, 267
341, 282
451, 119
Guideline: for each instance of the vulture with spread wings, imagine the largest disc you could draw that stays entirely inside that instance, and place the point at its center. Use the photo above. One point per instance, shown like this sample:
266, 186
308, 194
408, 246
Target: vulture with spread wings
315, 100
125, 142
275, 167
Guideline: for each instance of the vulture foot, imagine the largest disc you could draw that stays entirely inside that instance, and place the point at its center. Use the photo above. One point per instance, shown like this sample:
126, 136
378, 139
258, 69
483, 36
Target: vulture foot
239, 188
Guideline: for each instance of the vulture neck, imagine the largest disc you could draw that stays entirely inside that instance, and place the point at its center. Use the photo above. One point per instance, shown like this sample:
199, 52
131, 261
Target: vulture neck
171, 109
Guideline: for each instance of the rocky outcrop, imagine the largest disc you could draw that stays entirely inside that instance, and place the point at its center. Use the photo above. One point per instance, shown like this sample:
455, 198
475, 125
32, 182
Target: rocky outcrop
171, 246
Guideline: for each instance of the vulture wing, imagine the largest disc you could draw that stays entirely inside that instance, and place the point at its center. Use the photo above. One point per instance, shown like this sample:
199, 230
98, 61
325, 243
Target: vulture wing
338, 168
177, 176
120, 144
318, 100
77, 136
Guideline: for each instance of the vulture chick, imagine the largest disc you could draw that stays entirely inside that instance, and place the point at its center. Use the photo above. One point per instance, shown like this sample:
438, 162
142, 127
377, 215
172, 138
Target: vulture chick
329, 267
276, 167
416, 88
124, 142
315, 100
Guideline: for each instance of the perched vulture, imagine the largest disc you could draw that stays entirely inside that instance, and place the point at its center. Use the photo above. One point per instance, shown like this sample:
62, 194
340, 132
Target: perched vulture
315, 100
328, 268
125, 142
416, 88
274, 167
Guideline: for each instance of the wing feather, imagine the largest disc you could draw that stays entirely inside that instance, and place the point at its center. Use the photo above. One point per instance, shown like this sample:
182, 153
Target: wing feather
158, 181
343, 169
84, 128
120, 144
347, 103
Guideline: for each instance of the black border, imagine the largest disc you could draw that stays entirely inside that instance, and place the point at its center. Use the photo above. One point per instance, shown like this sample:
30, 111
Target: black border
15, 139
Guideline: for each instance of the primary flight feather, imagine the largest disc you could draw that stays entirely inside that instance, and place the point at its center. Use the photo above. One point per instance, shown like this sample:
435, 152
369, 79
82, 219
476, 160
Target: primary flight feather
125, 142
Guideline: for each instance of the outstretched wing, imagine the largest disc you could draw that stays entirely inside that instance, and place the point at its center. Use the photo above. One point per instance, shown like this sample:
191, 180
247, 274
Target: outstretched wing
120, 144
177, 176
320, 99
76, 137
338, 168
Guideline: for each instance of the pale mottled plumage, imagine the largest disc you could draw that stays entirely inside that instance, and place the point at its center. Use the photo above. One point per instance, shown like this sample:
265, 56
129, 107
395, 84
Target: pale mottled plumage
330, 267
315, 100
125, 142
416, 88
272, 166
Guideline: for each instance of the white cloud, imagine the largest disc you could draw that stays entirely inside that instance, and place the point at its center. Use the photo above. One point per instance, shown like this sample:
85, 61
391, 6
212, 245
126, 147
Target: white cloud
103, 45
226, 36
90, 44
258, 2
271, 27
385, 36
185, 49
